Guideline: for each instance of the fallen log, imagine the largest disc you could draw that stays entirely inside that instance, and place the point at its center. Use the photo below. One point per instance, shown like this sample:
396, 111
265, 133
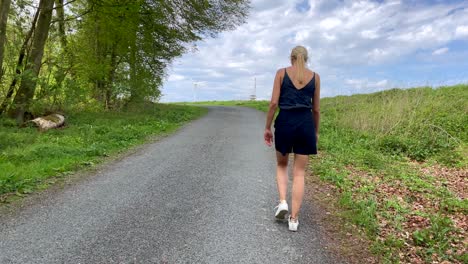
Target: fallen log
47, 122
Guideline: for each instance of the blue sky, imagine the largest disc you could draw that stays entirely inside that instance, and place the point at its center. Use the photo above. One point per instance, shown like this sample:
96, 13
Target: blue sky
355, 46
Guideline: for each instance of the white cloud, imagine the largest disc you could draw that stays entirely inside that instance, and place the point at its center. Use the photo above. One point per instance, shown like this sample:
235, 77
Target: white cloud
341, 36
367, 85
301, 35
440, 51
176, 77
461, 31
260, 47
377, 54
329, 23
369, 34
329, 36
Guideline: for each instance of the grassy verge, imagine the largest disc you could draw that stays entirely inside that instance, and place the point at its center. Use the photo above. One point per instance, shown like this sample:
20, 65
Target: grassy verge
259, 105
396, 160
28, 158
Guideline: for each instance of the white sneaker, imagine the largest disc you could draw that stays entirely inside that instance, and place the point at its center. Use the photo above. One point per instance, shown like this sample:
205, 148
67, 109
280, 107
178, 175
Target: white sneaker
293, 224
281, 210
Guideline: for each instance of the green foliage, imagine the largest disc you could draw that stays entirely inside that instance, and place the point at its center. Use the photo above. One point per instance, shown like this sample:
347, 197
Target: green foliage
436, 238
28, 158
420, 123
362, 213
259, 105
376, 135
100, 51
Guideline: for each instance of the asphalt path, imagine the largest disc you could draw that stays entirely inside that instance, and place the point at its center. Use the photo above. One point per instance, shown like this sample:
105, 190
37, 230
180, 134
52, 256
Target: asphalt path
205, 194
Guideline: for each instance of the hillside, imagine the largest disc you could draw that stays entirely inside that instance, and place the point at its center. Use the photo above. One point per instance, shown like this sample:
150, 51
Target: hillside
394, 164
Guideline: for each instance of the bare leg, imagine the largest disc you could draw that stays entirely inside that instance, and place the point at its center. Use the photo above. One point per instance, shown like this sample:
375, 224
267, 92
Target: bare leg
282, 174
300, 163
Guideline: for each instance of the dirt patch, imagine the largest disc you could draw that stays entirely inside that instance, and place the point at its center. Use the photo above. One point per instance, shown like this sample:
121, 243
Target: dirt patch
402, 211
455, 179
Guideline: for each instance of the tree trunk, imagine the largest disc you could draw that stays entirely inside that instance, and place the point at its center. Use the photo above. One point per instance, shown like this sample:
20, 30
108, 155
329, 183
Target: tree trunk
44, 123
111, 77
61, 23
135, 91
21, 56
4, 9
28, 83
62, 69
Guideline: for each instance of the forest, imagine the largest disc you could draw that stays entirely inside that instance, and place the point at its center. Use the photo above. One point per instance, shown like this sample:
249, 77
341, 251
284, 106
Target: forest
62, 56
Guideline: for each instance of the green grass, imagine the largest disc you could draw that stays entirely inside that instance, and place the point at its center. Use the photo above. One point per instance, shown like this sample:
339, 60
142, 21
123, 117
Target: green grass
367, 143
259, 105
28, 158
420, 123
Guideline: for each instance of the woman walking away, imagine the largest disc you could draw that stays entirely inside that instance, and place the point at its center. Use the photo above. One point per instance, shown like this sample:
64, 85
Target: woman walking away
296, 91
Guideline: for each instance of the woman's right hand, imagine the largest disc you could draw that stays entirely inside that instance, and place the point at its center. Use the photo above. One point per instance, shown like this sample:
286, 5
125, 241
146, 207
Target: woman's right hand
268, 137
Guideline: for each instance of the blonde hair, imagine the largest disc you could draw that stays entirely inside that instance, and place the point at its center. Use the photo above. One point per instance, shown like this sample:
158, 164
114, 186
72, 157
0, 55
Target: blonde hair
299, 55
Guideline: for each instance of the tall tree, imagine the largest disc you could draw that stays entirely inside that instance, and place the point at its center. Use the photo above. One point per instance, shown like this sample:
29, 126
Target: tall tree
166, 27
25, 93
61, 21
99, 50
4, 9
19, 64
63, 56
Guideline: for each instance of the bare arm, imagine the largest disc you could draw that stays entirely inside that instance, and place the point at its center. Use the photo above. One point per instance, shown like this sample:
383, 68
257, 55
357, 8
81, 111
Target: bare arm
274, 100
268, 136
316, 104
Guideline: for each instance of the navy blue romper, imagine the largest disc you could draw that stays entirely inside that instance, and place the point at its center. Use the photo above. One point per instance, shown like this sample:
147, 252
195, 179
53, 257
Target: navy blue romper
294, 125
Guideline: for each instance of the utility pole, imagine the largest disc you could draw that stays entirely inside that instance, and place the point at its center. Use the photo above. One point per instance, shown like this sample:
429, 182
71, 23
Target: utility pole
253, 96
194, 91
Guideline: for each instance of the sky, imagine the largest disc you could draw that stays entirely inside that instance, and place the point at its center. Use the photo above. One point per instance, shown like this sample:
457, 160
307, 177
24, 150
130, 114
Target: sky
355, 46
